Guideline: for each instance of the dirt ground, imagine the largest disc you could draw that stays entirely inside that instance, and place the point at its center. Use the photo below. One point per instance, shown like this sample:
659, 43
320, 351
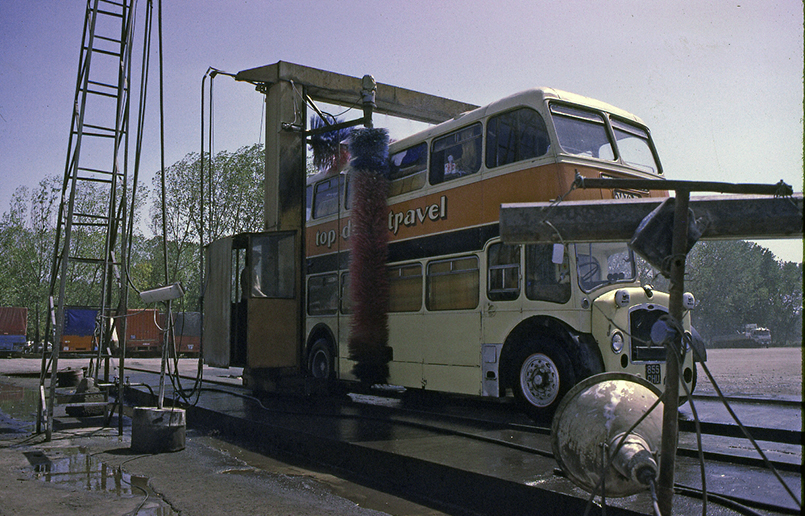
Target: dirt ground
211, 476
764, 373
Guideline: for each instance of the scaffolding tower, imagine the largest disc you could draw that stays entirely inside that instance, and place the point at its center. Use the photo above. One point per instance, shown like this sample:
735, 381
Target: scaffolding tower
89, 264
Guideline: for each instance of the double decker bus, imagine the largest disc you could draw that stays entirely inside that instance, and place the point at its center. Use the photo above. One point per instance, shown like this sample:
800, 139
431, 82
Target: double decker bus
468, 313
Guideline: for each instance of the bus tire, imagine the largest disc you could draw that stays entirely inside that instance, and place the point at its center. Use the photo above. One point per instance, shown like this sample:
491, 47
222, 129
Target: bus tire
320, 361
542, 375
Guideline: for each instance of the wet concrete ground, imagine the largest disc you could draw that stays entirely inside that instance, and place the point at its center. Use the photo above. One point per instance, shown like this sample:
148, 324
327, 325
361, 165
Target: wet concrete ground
90, 470
428, 457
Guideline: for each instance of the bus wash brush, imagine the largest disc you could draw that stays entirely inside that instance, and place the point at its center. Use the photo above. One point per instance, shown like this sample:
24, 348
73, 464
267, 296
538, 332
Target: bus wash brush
369, 284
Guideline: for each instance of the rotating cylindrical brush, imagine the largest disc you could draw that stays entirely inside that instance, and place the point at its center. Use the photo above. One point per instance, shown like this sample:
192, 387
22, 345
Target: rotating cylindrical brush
369, 284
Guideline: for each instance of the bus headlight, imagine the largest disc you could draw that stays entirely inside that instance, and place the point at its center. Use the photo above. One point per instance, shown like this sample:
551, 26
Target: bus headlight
617, 342
622, 298
688, 301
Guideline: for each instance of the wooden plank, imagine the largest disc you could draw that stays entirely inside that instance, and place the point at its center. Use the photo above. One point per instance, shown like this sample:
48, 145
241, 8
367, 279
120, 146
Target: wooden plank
721, 217
344, 90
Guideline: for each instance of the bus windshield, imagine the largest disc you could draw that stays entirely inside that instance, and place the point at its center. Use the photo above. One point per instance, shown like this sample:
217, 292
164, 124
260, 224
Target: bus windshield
633, 146
584, 133
604, 263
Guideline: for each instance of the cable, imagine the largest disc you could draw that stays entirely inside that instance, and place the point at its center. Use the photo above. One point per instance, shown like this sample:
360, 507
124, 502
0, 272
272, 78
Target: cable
654, 502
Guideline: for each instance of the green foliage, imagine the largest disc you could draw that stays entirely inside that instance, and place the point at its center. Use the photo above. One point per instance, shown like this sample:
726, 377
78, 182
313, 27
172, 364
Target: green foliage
233, 203
737, 283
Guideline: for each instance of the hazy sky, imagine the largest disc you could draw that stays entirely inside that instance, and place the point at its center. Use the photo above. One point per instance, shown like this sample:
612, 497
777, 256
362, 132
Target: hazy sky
719, 83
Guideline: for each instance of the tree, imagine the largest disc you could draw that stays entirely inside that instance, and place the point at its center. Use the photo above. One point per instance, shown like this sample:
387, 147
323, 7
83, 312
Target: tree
26, 244
737, 283
233, 200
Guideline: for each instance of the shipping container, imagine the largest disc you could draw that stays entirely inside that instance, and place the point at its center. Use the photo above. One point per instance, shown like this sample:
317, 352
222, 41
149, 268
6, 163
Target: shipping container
187, 329
79, 329
143, 334
13, 328
13, 320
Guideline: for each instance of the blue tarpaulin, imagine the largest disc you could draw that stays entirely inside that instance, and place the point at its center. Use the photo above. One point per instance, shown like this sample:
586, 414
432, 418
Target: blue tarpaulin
12, 342
79, 321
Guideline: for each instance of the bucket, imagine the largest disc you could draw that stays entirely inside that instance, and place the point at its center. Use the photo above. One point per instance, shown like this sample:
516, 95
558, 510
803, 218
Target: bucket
69, 377
155, 430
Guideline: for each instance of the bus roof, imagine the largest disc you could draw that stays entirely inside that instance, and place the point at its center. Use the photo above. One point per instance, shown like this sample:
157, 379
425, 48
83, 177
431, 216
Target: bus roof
533, 96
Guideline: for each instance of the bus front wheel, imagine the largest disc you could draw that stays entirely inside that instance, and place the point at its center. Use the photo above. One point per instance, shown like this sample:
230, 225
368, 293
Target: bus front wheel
542, 376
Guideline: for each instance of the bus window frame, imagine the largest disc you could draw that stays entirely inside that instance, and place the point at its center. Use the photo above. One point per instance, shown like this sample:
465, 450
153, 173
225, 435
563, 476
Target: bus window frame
311, 298
488, 141
600, 118
559, 291
639, 132
414, 179
429, 295
503, 293
400, 267
334, 200
436, 172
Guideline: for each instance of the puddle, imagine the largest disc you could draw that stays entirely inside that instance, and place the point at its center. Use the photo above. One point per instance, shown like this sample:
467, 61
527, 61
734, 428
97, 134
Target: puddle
76, 468
18, 407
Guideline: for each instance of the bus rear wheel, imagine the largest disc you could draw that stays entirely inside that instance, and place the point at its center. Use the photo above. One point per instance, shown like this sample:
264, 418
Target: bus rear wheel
320, 361
542, 375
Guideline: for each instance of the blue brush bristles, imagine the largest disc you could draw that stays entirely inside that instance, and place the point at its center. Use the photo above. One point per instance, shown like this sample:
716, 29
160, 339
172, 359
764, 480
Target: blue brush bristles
370, 150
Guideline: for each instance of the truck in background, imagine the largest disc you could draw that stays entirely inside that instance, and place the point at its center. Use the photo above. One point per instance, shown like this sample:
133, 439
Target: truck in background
750, 336
187, 331
79, 329
13, 330
143, 333
758, 334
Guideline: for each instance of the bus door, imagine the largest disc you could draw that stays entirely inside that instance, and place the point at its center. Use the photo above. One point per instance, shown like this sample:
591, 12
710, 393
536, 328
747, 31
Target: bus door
451, 331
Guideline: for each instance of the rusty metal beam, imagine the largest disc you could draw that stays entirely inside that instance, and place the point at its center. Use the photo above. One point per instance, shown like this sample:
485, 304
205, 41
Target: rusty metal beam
344, 90
722, 217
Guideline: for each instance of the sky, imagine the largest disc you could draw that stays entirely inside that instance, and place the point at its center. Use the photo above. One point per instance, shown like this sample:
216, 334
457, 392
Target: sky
719, 83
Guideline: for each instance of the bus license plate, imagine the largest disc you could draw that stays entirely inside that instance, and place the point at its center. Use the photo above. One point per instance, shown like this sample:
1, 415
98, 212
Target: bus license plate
622, 194
654, 373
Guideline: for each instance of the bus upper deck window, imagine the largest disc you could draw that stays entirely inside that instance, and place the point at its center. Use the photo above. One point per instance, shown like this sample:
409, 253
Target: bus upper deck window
407, 169
456, 154
325, 197
634, 146
515, 136
582, 132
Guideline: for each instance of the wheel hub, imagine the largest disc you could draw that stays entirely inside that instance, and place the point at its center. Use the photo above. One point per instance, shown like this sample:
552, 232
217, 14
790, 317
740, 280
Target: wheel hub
539, 379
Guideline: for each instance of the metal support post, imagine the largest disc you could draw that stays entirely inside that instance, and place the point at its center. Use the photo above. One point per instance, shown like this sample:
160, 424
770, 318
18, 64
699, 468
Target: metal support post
670, 423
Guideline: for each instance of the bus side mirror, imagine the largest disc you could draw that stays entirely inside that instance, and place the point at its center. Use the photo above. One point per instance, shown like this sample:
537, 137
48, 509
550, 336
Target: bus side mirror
558, 256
